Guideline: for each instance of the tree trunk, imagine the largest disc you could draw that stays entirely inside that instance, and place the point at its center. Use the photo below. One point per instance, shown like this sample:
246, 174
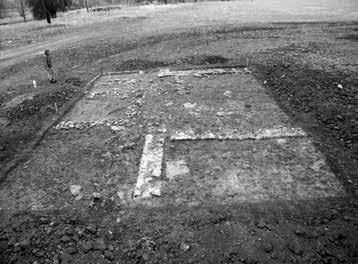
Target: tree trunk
87, 5
48, 17
23, 9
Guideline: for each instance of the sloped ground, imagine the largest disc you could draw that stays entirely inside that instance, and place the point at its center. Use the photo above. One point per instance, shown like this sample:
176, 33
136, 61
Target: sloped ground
308, 68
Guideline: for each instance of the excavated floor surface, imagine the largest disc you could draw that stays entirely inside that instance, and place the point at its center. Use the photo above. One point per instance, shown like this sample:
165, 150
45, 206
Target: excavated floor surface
187, 137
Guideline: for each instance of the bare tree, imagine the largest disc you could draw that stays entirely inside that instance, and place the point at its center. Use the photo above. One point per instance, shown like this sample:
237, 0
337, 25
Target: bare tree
22, 9
48, 17
2, 8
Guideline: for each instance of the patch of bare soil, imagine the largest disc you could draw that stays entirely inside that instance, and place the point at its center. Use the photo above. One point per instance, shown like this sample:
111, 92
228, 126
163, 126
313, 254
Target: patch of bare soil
138, 64
325, 104
25, 119
307, 232
202, 60
352, 37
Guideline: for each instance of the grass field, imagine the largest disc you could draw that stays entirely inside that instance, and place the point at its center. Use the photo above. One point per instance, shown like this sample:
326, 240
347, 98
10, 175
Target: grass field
303, 52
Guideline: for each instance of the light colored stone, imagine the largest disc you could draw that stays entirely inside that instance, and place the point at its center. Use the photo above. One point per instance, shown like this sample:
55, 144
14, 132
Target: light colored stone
96, 195
117, 128
150, 166
189, 105
175, 168
121, 195
228, 93
75, 189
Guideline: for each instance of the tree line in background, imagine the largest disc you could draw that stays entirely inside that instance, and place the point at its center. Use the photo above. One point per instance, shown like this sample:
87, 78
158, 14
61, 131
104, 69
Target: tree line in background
47, 9
40, 9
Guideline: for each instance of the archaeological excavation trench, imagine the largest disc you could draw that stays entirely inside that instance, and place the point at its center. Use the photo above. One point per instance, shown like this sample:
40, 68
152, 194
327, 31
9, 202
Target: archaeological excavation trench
171, 137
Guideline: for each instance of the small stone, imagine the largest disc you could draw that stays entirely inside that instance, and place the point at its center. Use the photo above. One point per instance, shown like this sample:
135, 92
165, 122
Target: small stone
261, 224
56, 260
184, 246
79, 197
17, 249
40, 253
118, 128
129, 145
145, 256
250, 260
267, 246
71, 250
66, 258
75, 189
96, 195
300, 231
91, 228
65, 239
108, 255
44, 221
121, 195
86, 246
313, 235
25, 243
274, 255
228, 94
194, 203
189, 105
4, 155
99, 244
2, 148
339, 117
324, 221
295, 247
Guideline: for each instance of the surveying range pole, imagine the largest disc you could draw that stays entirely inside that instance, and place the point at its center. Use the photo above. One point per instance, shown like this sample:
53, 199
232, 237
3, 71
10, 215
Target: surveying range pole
47, 13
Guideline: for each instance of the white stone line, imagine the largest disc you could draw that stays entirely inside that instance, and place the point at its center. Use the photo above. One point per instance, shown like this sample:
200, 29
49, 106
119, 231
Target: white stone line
198, 73
112, 92
150, 169
68, 124
266, 133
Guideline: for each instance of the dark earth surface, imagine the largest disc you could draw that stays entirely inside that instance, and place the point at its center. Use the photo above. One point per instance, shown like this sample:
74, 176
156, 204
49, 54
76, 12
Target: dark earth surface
318, 93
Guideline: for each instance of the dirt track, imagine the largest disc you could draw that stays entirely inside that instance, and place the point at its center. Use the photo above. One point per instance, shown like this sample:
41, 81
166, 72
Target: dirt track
308, 69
